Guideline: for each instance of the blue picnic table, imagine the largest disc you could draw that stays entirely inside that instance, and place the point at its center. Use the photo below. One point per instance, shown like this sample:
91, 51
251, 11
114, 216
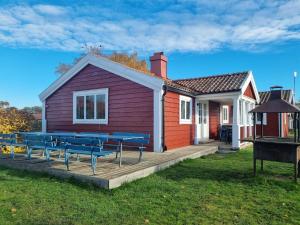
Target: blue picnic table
114, 137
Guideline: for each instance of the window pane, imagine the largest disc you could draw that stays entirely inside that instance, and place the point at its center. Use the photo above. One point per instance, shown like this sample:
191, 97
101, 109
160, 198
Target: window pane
182, 110
204, 113
90, 109
200, 113
100, 102
80, 107
188, 110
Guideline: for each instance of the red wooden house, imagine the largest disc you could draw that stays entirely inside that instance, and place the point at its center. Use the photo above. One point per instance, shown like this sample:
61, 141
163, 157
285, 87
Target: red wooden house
101, 95
275, 124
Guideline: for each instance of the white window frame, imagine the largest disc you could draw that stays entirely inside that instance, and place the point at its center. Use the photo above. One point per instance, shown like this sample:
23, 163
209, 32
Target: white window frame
186, 99
264, 119
226, 107
87, 93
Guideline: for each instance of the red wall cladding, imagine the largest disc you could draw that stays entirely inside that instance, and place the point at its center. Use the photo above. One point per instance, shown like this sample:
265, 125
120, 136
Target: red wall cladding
130, 104
249, 92
271, 129
214, 119
176, 134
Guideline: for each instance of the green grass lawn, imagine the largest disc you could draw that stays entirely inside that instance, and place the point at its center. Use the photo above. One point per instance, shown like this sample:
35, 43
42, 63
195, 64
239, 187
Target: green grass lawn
217, 189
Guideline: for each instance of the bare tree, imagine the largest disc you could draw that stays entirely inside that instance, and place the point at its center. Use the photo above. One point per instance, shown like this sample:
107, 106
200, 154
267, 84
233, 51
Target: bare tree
130, 60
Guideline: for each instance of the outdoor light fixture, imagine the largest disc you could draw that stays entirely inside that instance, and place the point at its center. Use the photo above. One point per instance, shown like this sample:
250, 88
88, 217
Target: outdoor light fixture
295, 76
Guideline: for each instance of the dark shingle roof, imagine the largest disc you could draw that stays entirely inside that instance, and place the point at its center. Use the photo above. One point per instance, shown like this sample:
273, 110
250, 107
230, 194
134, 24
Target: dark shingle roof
212, 84
265, 95
177, 86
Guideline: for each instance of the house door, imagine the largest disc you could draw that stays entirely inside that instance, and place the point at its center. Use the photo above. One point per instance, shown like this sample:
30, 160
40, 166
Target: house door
202, 125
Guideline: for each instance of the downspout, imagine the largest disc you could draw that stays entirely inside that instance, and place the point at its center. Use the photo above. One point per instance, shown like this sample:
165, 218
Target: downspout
164, 147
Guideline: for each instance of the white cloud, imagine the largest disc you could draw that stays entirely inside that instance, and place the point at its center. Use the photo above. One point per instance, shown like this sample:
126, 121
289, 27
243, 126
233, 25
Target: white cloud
186, 25
51, 9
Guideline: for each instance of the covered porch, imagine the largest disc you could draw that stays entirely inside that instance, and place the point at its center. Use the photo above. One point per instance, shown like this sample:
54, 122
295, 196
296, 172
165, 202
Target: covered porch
224, 112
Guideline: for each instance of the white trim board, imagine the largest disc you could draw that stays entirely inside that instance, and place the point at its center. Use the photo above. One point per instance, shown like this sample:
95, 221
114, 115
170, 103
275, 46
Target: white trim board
247, 81
146, 80
102, 91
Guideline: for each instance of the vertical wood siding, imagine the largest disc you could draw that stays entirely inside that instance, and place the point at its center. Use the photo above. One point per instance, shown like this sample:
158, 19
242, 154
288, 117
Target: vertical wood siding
249, 92
130, 106
272, 128
176, 134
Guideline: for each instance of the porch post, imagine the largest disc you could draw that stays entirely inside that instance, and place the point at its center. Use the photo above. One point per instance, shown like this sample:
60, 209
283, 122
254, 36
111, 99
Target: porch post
236, 124
245, 123
44, 119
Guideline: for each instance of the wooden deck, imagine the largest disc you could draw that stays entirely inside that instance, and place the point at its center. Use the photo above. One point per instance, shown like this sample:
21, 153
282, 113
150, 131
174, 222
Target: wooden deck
109, 175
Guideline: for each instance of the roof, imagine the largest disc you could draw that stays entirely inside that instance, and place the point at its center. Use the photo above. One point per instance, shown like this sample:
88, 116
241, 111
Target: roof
276, 101
285, 95
231, 82
276, 106
213, 84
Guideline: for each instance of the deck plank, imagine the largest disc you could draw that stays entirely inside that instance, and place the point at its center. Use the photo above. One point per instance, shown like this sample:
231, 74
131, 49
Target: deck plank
108, 174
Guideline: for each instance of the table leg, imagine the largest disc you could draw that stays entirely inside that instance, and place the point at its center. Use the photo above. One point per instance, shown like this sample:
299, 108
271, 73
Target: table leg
295, 171
299, 168
254, 166
121, 153
262, 165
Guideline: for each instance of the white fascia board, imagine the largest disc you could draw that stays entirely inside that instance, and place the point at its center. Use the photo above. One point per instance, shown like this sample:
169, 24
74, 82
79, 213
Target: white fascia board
247, 81
223, 95
146, 80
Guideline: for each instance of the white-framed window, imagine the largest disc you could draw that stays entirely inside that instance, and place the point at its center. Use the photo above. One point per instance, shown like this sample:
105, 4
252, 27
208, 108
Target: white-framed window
185, 109
225, 114
90, 107
258, 119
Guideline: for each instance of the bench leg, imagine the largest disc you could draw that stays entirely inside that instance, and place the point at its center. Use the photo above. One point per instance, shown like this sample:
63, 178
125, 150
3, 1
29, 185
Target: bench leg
67, 158
12, 152
59, 154
94, 164
261, 165
77, 158
29, 151
141, 155
47, 153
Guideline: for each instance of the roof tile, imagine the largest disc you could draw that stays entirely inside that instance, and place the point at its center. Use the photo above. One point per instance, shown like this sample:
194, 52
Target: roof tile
212, 84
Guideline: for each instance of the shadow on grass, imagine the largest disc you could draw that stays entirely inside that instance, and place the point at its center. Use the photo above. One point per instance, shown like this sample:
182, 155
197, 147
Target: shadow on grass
239, 174
23, 174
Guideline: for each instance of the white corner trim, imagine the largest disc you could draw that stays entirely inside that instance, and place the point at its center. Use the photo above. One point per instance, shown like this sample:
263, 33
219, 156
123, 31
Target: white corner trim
85, 93
157, 120
146, 80
247, 81
44, 120
186, 99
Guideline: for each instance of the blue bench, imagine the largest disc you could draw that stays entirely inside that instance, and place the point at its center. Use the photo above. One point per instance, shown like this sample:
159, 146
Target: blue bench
5, 141
36, 142
138, 143
86, 146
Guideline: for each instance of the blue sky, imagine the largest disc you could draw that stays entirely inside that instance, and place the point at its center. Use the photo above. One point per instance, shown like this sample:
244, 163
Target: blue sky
199, 37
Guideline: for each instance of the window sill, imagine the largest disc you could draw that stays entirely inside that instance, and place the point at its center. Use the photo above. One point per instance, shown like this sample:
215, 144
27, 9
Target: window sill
185, 122
104, 122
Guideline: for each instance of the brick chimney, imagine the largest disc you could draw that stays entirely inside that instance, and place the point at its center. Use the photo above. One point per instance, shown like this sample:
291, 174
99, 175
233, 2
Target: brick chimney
159, 64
